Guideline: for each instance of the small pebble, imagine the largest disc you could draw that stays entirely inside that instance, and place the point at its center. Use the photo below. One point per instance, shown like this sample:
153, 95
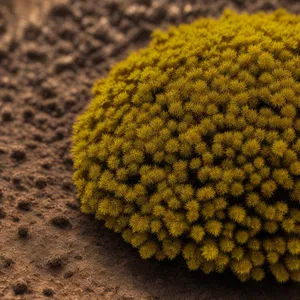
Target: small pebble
31, 31
24, 205
67, 185
40, 182
6, 262
72, 205
18, 153
17, 178
23, 232
173, 11
55, 262
48, 292
15, 219
7, 114
68, 274
28, 114
20, 287
46, 164
61, 222
36, 54
64, 63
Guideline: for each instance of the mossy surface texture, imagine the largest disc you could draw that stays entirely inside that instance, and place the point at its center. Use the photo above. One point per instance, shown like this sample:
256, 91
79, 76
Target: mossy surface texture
191, 146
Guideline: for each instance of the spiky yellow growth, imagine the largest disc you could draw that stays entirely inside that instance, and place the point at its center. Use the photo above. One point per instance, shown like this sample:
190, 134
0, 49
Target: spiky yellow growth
190, 146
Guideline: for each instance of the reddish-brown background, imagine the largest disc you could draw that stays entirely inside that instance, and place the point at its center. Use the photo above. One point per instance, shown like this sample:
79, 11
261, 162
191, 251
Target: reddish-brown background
49, 59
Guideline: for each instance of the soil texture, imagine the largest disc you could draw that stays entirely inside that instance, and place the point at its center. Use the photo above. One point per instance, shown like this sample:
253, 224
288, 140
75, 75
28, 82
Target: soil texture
51, 52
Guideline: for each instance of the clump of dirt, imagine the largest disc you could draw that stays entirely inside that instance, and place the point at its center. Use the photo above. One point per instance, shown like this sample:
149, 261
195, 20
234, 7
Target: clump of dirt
61, 222
23, 232
56, 262
48, 292
47, 71
20, 287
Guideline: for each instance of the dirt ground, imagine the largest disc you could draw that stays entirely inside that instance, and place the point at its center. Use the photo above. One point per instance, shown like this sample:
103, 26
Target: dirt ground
51, 52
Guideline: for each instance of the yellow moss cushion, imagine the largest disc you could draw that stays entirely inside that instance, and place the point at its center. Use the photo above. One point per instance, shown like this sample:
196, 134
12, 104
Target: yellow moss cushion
191, 146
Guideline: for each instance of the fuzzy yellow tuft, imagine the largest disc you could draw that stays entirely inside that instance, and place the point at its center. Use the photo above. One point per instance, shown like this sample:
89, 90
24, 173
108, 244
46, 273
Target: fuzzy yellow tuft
191, 147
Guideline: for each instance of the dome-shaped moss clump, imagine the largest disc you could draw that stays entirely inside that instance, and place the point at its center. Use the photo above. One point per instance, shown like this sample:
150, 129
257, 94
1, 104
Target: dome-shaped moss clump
191, 146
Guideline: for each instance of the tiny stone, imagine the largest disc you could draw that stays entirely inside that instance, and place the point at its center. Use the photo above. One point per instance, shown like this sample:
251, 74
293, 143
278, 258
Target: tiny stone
32, 145
156, 13
89, 290
67, 185
24, 205
135, 12
7, 114
20, 287
37, 137
61, 222
48, 292
28, 114
68, 31
60, 133
41, 182
188, 8
65, 47
16, 179
64, 63
68, 274
88, 21
46, 164
125, 25
69, 102
48, 90
23, 232
15, 219
101, 30
5, 262
174, 11
31, 31
49, 36
55, 262
35, 53
18, 153
72, 205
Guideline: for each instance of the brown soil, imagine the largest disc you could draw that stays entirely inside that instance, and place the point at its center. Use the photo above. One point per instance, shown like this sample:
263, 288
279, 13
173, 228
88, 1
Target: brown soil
48, 249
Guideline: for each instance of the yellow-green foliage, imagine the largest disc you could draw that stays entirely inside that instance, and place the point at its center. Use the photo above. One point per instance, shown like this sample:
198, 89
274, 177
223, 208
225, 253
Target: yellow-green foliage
191, 146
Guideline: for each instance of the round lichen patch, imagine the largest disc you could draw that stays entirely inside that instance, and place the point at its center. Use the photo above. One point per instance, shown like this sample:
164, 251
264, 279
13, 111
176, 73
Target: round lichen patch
191, 146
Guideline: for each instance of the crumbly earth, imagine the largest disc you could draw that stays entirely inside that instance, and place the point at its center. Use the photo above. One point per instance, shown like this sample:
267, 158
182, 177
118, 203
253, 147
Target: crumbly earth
48, 248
